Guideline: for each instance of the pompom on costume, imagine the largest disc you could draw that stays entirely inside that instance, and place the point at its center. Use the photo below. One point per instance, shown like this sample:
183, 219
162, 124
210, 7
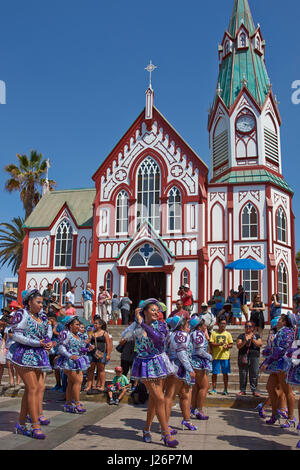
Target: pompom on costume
68, 346
26, 351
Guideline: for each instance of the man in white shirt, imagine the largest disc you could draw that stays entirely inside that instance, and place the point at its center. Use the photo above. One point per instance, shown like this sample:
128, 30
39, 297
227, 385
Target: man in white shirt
70, 296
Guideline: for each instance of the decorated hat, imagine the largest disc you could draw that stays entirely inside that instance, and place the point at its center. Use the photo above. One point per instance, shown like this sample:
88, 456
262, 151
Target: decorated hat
194, 322
148, 302
174, 322
30, 295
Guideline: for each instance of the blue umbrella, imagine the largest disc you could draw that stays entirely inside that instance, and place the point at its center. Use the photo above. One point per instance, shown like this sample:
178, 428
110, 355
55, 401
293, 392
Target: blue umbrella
247, 264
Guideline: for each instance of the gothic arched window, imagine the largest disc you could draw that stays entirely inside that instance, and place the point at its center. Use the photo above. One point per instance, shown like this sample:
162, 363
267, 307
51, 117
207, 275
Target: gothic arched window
108, 282
283, 283
57, 290
122, 212
65, 288
243, 40
249, 221
174, 210
281, 224
148, 193
64, 245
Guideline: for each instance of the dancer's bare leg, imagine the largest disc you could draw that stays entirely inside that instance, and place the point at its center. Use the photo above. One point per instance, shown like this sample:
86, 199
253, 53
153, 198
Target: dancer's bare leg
170, 394
203, 387
185, 393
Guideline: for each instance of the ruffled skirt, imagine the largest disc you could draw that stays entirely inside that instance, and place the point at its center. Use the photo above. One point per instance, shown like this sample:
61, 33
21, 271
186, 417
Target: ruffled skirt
152, 368
29, 357
200, 363
181, 373
280, 365
63, 363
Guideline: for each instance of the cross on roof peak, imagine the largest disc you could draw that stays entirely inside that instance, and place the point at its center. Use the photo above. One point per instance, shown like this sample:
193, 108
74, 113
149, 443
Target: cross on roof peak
150, 68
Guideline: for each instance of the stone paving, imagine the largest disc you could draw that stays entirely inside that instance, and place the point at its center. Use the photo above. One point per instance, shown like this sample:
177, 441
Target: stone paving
106, 427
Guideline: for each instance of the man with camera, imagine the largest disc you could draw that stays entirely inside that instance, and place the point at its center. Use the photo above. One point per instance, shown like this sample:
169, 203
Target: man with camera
187, 297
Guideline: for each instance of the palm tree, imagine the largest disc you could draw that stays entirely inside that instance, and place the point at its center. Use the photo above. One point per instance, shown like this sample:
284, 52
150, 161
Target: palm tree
11, 243
28, 178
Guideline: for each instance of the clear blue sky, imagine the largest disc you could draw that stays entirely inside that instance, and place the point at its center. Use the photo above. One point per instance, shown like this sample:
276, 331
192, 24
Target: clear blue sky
75, 78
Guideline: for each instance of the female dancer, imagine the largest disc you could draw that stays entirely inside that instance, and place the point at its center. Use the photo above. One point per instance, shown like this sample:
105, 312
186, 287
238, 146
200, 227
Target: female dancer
202, 364
100, 355
29, 354
276, 364
151, 364
293, 375
73, 360
281, 399
182, 381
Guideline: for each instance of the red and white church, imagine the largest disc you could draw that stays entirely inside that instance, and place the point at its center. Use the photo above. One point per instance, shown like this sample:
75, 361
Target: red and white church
155, 220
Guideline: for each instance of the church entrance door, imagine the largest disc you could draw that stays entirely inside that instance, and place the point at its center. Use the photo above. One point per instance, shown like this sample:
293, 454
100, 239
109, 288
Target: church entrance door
146, 285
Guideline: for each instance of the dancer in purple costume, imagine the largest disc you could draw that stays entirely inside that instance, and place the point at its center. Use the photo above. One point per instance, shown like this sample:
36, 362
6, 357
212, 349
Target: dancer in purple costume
152, 364
184, 377
293, 374
277, 365
73, 360
202, 364
29, 354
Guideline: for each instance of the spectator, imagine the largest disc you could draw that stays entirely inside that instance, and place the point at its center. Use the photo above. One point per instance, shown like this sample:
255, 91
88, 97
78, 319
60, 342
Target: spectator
180, 311
118, 388
249, 344
186, 297
70, 296
236, 308
275, 308
70, 310
102, 302
225, 314
257, 308
221, 342
127, 355
2, 350
124, 306
216, 302
47, 297
296, 299
8, 338
87, 302
115, 309
99, 356
243, 296
57, 328
163, 308
230, 298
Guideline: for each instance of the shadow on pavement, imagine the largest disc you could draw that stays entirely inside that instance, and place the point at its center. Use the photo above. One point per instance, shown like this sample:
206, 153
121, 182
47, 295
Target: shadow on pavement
253, 443
112, 433
250, 421
8, 419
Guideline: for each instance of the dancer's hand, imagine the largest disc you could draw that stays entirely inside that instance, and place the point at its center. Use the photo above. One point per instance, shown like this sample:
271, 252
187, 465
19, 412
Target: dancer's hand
192, 375
138, 316
74, 358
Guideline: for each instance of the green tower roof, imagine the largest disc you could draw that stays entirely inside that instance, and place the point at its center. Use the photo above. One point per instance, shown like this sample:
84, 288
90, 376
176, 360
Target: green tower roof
241, 14
242, 66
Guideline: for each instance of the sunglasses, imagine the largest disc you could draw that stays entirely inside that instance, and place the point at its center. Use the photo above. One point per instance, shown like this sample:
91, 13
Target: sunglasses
248, 326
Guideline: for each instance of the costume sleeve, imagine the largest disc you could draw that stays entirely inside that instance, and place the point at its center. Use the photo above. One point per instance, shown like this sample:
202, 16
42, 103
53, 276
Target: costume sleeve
63, 344
285, 341
157, 337
181, 348
18, 325
131, 332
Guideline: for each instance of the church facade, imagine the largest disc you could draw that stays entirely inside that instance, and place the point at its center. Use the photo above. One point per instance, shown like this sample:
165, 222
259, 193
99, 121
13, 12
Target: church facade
154, 219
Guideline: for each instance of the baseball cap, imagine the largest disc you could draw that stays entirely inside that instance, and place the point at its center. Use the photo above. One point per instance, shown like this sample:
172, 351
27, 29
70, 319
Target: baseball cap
204, 304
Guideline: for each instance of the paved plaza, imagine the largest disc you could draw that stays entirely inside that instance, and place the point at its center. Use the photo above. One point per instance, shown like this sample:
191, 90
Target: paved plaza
106, 427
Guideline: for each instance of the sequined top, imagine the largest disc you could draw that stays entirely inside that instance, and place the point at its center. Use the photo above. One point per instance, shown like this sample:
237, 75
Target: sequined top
151, 345
179, 348
282, 342
28, 331
200, 345
70, 346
